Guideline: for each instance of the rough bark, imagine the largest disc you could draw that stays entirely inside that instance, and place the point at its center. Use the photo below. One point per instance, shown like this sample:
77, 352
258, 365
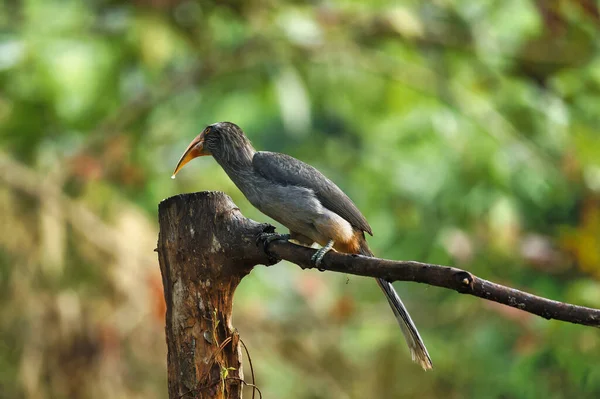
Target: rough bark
205, 248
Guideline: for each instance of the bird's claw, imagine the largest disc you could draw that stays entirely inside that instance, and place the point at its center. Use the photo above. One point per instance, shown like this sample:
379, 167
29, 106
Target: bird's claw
317, 258
266, 238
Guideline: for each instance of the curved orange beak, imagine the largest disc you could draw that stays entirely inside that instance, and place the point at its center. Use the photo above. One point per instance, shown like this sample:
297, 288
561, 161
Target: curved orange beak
194, 150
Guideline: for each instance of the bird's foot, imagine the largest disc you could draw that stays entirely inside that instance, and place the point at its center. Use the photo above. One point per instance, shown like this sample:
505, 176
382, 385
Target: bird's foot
268, 237
317, 258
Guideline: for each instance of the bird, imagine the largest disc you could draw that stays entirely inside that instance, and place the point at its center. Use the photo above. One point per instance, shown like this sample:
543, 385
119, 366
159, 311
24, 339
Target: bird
301, 198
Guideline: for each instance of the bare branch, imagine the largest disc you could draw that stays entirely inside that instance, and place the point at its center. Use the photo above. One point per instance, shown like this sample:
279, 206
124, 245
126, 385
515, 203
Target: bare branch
440, 276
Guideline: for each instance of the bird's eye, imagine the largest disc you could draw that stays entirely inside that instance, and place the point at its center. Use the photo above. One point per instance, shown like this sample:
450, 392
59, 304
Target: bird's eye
207, 130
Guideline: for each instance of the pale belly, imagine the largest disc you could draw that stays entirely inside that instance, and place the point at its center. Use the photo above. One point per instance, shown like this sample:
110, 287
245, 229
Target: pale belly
298, 209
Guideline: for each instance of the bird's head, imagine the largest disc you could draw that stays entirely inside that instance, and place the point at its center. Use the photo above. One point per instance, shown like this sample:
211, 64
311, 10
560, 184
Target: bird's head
225, 141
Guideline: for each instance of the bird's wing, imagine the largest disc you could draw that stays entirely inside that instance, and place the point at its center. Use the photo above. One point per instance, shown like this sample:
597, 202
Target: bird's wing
286, 170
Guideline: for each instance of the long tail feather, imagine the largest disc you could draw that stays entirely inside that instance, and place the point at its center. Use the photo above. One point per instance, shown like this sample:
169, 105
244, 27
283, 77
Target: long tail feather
409, 330
411, 335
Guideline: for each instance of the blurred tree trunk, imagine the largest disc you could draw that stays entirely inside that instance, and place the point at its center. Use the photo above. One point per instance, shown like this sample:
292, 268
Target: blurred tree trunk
202, 262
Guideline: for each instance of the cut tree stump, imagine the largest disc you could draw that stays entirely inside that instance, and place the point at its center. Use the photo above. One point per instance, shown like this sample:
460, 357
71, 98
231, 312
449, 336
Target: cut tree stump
203, 254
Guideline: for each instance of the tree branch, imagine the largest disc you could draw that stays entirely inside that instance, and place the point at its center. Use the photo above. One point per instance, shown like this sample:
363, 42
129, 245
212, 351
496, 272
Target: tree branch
440, 276
206, 247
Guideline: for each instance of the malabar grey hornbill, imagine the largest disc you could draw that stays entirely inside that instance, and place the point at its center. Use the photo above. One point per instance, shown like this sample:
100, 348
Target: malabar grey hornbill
301, 198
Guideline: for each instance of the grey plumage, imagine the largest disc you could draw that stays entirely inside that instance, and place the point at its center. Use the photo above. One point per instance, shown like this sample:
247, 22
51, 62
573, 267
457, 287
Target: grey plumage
286, 170
302, 199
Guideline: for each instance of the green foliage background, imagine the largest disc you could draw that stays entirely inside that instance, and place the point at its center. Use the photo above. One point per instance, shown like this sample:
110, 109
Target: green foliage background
465, 131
